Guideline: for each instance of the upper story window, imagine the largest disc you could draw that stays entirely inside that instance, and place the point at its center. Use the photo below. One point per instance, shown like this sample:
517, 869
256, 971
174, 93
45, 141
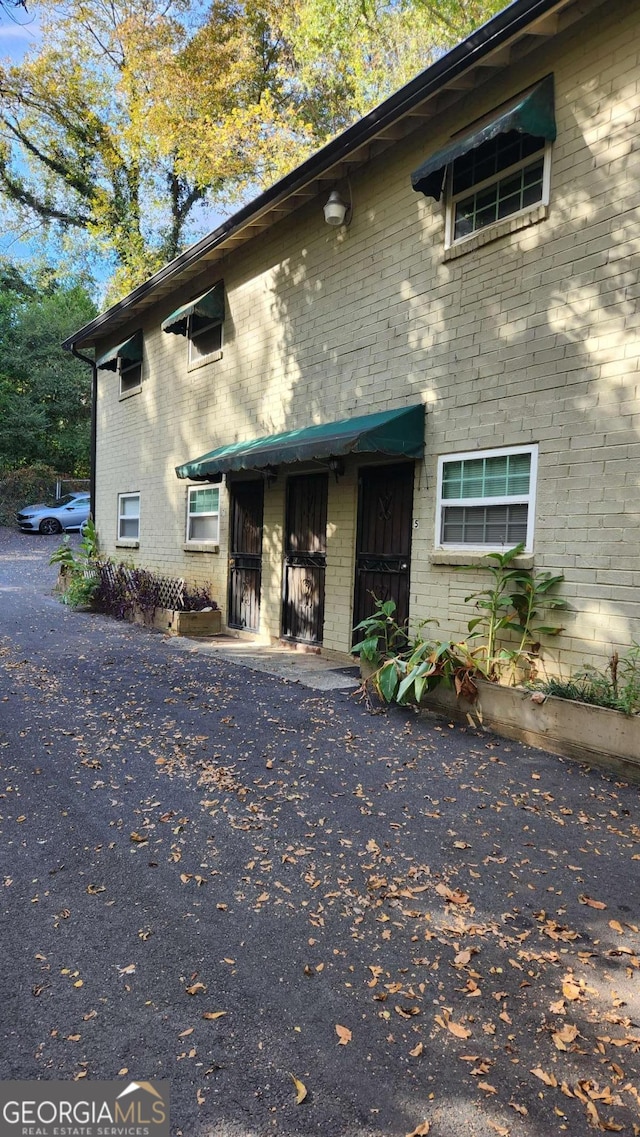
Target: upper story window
205, 338
486, 499
201, 321
498, 168
130, 377
504, 176
126, 360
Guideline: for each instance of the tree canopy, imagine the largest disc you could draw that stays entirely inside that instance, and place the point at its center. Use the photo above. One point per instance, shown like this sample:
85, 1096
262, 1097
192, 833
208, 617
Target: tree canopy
45, 394
135, 119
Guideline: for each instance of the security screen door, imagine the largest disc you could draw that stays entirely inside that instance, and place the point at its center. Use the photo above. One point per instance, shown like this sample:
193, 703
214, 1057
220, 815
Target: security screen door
305, 558
245, 554
383, 543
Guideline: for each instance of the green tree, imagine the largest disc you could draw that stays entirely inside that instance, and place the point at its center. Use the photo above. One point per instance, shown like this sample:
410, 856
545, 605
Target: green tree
45, 394
135, 117
351, 54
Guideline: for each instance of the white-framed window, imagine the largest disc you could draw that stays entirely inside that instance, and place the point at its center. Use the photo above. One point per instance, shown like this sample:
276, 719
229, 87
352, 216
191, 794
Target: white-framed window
504, 177
203, 514
486, 499
130, 376
128, 516
205, 338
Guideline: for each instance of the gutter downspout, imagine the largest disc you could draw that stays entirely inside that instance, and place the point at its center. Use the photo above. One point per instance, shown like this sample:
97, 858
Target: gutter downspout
94, 420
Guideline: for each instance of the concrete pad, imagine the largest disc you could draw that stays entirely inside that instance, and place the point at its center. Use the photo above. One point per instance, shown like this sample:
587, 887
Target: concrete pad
304, 667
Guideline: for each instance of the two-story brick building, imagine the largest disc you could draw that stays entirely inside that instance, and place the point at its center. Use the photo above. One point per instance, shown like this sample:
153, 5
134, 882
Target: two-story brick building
303, 412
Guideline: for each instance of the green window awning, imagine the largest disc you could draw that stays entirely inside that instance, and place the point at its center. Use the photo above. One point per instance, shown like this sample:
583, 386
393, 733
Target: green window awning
530, 112
209, 306
129, 352
397, 433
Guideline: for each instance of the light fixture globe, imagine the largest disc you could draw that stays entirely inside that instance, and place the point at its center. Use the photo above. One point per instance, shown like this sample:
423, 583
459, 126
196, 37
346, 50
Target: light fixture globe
335, 210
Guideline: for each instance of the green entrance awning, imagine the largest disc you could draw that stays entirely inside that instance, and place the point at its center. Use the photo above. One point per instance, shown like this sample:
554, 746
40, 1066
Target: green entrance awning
393, 433
209, 306
129, 352
530, 112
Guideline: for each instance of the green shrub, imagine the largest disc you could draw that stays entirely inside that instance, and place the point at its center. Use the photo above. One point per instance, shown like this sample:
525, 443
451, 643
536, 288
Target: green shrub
616, 687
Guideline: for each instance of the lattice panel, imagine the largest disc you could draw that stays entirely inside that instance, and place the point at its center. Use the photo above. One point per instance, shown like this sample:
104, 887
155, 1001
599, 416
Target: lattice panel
171, 592
170, 589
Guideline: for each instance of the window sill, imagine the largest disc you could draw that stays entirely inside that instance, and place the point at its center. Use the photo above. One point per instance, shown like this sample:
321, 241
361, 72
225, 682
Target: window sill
494, 232
462, 558
201, 547
127, 543
194, 364
128, 394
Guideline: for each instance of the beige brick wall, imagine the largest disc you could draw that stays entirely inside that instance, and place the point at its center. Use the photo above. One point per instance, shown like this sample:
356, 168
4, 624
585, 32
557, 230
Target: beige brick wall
533, 337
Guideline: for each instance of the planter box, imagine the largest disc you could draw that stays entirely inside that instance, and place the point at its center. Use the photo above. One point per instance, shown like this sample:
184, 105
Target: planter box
595, 735
178, 623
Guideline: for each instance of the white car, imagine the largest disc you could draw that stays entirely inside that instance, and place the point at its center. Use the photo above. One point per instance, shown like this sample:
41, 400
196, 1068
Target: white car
68, 512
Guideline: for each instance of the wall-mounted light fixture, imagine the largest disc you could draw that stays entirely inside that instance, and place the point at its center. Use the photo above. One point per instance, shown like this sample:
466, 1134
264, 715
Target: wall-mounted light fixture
336, 465
336, 211
270, 474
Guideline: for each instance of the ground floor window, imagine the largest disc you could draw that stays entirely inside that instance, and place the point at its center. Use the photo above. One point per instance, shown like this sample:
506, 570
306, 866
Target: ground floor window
203, 514
486, 499
128, 516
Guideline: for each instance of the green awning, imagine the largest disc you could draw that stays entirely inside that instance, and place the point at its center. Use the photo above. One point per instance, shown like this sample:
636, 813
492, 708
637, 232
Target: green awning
394, 433
530, 112
210, 306
129, 352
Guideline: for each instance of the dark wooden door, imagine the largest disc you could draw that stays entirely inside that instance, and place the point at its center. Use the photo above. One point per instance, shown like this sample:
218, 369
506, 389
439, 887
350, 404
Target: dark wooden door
245, 554
305, 558
383, 545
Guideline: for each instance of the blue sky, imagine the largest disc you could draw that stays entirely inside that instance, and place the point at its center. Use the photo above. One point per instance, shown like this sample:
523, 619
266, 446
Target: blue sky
18, 30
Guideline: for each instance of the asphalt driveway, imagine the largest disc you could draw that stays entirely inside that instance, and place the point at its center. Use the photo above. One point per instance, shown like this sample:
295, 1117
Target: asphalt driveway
226, 879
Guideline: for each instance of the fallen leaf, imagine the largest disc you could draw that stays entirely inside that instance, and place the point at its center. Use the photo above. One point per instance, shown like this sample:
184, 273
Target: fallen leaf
452, 896
184, 1033
548, 1079
599, 904
462, 958
502, 1130
195, 988
128, 970
200, 1097
213, 1014
567, 1034
458, 1030
123, 1071
487, 1087
421, 1130
138, 838
417, 1050
344, 1035
570, 990
617, 927
301, 1089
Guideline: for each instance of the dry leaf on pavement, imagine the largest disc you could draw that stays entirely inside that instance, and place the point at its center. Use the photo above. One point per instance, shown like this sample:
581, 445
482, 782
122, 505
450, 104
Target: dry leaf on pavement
301, 1089
592, 903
